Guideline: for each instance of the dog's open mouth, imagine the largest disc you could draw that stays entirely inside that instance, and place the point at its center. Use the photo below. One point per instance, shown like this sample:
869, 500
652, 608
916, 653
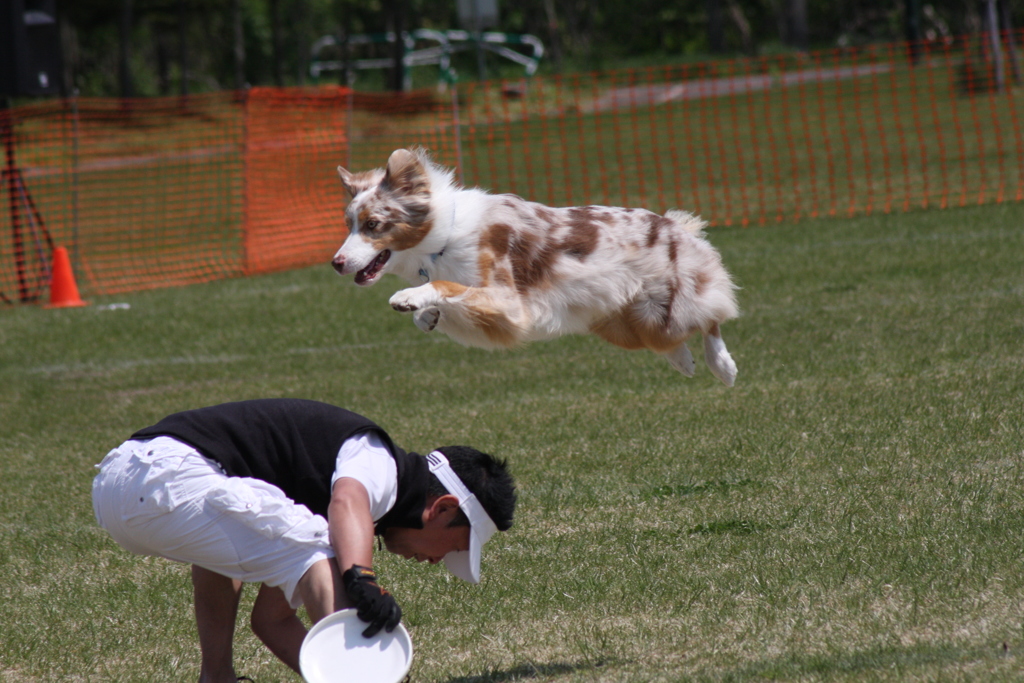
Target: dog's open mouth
368, 274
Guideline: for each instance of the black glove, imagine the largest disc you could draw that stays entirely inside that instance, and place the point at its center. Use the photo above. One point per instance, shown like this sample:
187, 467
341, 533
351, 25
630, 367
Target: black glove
374, 605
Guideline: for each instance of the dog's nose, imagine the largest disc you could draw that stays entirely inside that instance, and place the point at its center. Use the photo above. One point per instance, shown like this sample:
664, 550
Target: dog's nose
339, 264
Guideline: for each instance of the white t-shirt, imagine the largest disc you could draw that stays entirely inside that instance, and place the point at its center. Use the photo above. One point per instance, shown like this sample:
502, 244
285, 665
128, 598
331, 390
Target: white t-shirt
366, 459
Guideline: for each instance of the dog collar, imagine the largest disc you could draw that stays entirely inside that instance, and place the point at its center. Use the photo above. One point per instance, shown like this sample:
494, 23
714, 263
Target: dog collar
424, 274
433, 259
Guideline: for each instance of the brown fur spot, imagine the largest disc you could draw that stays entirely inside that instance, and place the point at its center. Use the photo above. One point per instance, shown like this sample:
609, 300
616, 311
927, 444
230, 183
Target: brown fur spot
626, 329
654, 225
447, 288
582, 238
495, 325
496, 238
673, 250
503, 277
546, 215
402, 236
617, 330
498, 328
701, 283
531, 261
666, 318
485, 264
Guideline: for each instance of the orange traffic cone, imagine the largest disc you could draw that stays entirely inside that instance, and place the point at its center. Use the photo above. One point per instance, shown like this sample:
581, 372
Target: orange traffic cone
63, 290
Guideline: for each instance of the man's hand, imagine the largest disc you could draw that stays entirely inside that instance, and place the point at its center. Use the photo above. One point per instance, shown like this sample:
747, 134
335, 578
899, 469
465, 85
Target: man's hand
374, 605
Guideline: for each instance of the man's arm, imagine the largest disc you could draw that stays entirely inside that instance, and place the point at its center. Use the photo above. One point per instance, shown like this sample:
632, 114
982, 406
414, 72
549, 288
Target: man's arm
350, 524
351, 528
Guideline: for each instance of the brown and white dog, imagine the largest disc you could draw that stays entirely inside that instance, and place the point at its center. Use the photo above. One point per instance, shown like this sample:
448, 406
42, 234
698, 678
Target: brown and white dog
496, 270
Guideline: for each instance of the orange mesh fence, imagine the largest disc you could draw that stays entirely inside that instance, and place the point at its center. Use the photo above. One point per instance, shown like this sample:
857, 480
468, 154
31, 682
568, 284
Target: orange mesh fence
143, 193
755, 141
293, 206
152, 193
295, 139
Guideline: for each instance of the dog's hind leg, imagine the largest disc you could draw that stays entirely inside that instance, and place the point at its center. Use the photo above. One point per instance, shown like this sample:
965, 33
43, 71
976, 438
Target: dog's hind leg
681, 359
717, 356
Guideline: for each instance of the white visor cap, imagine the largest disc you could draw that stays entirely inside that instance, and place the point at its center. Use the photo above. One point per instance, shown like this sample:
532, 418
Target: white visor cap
465, 564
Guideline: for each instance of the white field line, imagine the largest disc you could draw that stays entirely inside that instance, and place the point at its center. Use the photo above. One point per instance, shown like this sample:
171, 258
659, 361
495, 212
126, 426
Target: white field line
703, 88
119, 163
882, 302
875, 241
221, 359
200, 154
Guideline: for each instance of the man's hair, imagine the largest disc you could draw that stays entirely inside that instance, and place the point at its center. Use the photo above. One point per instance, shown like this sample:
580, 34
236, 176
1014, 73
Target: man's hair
486, 477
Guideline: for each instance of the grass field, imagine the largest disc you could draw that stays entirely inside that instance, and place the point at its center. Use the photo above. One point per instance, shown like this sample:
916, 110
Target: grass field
852, 510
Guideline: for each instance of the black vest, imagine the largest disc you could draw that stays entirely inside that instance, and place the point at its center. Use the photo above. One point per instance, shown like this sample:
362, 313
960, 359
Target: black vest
293, 444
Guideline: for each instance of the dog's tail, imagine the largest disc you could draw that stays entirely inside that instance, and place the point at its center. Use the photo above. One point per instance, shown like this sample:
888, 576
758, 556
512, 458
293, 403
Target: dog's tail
687, 221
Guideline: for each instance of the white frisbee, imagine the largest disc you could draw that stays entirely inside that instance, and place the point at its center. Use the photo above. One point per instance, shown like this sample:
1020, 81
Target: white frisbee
335, 650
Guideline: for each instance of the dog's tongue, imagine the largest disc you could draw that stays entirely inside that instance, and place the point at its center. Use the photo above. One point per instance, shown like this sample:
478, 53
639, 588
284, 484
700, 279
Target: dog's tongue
369, 273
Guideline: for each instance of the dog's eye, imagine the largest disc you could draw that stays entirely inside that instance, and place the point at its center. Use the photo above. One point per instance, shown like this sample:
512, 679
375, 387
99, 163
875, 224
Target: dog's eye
372, 224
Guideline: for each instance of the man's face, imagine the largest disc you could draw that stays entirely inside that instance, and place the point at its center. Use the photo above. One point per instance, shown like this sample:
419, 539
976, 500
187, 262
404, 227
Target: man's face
435, 540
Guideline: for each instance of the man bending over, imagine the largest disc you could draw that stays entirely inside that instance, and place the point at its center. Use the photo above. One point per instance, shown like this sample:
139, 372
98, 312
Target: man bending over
290, 493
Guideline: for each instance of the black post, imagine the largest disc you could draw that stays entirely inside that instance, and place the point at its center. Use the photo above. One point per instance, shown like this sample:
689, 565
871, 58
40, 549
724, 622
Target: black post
275, 43
1011, 40
183, 48
912, 25
13, 205
478, 33
124, 60
995, 44
239, 47
716, 28
397, 20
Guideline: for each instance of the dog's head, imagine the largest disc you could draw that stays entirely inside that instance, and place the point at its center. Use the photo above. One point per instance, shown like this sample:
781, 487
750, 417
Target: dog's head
389, 213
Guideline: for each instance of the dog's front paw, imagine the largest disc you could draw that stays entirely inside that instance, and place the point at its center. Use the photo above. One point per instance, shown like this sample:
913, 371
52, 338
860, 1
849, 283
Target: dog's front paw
427, 318
413, 299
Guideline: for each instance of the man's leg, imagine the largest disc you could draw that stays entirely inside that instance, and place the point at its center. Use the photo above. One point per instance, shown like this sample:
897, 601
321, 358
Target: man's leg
321, 590
216, 600
275, 623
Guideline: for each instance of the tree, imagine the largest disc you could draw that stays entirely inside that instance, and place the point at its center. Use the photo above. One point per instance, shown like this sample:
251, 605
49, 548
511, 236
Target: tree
238, 38
275, 39
125, 38
716, 34
795, 21
195, 45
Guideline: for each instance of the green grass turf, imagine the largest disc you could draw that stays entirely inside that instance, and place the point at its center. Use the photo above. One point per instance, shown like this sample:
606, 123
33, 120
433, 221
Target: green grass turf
852, 510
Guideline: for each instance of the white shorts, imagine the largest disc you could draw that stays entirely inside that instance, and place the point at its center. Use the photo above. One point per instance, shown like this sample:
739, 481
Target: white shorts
162, 497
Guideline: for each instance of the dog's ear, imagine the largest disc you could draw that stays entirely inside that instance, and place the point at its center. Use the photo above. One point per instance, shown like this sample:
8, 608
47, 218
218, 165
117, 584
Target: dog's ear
348, 180
357, 182
405, 174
